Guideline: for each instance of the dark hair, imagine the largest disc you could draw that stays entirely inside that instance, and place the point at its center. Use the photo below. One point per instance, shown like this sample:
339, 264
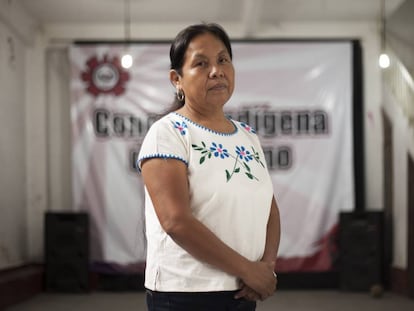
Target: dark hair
183, 39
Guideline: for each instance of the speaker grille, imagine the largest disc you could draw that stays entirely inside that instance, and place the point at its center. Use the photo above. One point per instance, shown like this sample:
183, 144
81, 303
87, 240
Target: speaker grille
361, 250
66, 252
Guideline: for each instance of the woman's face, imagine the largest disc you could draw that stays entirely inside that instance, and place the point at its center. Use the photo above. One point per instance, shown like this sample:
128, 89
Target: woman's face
207, 75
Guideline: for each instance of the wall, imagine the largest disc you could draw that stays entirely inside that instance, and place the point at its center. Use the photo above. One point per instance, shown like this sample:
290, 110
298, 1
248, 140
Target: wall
17, 32
400, 33
403, 144
12, 149
400, 41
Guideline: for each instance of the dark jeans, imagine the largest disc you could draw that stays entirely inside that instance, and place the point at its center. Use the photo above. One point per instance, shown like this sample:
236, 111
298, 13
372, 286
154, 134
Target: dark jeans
205, 301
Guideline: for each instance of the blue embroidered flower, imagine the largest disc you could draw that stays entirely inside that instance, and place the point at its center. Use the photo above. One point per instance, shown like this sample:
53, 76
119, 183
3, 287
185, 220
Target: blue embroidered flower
181, 127
248, 128
241, 158
219, 151
243, 153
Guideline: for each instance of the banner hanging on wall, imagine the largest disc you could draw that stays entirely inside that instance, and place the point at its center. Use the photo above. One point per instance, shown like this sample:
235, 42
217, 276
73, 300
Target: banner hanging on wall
298, 97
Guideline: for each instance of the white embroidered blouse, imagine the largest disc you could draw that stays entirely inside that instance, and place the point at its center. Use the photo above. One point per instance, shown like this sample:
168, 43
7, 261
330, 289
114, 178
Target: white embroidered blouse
230, 192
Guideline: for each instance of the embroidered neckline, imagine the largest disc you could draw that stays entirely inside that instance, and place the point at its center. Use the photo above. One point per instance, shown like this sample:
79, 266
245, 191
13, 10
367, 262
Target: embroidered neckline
206, 128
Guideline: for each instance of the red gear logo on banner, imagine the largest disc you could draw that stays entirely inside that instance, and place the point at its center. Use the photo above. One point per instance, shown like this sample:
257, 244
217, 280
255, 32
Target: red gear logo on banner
105, 76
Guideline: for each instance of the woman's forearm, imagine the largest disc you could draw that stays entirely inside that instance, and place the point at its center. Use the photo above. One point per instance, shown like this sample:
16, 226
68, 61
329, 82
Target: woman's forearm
272, 234
201, 243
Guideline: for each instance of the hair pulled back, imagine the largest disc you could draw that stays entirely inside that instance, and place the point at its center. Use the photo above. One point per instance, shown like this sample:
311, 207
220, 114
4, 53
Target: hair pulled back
182, 41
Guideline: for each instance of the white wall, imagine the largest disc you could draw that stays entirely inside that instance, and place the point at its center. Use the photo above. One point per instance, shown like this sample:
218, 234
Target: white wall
37, 144
403, 145
22, 179
12, 149
47, 133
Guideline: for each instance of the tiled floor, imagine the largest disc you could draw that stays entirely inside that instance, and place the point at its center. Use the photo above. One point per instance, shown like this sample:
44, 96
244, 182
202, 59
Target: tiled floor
286, 300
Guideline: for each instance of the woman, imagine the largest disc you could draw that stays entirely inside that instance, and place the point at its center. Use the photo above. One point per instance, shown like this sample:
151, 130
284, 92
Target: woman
212, 221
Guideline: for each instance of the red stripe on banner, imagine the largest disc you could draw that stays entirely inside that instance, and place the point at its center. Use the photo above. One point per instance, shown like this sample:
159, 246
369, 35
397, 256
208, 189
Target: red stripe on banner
321, 261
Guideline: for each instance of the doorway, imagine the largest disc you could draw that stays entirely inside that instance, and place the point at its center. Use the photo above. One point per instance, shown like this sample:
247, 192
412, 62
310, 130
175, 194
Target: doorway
410, 226
388, 199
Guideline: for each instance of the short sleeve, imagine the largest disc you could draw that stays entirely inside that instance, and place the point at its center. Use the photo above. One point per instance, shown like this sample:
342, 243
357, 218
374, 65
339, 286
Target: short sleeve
165, 139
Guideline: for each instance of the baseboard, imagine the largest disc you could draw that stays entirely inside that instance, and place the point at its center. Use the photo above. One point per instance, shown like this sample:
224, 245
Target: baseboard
19, 284
399, 281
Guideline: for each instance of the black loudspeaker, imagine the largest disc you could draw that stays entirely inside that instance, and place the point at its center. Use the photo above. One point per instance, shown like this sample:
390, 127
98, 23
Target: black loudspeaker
66, 252
360, 250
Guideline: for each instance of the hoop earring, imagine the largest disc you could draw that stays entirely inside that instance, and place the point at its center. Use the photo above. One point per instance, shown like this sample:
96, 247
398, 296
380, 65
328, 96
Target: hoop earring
180, 95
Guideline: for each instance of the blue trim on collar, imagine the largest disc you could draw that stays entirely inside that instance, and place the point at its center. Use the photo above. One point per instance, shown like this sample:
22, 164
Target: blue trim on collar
236, 129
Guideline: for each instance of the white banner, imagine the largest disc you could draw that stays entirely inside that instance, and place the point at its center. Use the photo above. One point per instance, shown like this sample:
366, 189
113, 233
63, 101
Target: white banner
298, 97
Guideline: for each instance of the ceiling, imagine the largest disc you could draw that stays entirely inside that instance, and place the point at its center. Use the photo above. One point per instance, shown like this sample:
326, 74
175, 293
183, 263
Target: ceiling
249, 12
248, 15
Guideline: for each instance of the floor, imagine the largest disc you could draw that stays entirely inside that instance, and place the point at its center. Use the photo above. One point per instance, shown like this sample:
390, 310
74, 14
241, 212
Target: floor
292, 300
